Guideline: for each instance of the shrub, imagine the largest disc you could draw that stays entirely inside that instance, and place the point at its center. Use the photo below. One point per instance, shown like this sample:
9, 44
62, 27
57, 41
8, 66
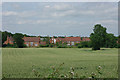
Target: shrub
51, 45
62, 46
9, 45
44, 45
86, 44
79, 46
117, 46
4, 45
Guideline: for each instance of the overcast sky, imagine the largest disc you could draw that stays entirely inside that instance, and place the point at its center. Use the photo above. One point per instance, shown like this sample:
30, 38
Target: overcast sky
70, 19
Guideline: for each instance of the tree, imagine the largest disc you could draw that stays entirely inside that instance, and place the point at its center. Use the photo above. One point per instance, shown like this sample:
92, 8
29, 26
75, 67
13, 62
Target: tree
110, 41
18, 40
98, 37
47, 40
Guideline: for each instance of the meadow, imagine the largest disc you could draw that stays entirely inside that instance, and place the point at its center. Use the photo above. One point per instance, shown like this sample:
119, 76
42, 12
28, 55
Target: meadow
23, 62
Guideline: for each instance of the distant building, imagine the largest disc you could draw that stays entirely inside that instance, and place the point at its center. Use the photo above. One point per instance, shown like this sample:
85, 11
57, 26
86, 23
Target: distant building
36, 41
32, 41
69, 40
9, 40
85, 39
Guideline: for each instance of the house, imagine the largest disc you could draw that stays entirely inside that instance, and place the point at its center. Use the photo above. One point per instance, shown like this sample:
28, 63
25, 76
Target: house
55, 40
9, 40
32, 41
72, 40
43, 43
69, 40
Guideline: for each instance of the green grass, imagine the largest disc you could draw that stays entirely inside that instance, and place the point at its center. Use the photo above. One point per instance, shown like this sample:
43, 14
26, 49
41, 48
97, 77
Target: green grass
18, 62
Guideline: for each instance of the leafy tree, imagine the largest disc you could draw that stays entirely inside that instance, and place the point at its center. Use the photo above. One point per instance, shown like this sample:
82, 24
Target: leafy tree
47, 39
110, 41
98, 37
119, 39
18, 40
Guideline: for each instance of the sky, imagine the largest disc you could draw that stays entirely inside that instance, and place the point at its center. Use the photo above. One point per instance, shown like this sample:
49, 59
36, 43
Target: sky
59, 18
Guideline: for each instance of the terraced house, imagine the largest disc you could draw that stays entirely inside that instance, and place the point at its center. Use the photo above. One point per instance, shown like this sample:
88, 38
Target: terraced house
37, 41
69, 40
33, 41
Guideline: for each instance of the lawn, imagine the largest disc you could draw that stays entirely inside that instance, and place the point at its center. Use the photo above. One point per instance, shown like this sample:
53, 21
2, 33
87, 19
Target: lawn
20, 62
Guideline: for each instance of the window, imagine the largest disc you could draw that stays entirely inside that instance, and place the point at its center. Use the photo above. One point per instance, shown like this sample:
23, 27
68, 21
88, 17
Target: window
27, 44
31, 43
72, 43
36, 44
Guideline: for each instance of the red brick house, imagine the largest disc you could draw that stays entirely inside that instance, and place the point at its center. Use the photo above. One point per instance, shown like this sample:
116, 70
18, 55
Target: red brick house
55, 40
32, 41
43, 42
28, 41
9, 40
69, 40
72, 40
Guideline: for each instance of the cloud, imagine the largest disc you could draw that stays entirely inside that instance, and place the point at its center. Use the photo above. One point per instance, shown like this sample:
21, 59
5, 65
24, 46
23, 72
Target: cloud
34, 21
62, 6
9, 13
20, 14
109, 21
47, 6
43, 21
62, 14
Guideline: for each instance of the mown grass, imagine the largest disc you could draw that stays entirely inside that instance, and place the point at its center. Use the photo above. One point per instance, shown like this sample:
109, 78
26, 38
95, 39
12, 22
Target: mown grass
19, 62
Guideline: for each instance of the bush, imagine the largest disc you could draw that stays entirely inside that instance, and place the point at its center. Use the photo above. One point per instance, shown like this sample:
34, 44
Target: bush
117, 46
9, 45
79, 46
44, 45
4, 45
62, 46
85, 44
69, 46
51, 45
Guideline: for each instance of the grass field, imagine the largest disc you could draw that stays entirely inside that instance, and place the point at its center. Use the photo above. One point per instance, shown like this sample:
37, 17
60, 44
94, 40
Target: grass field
18, 63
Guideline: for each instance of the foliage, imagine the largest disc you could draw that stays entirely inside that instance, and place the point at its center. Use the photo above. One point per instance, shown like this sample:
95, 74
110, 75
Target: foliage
79, 46
85, 44
98, 38
51, 45
47, 38
47, 45
18, 40
62, 45
111, 41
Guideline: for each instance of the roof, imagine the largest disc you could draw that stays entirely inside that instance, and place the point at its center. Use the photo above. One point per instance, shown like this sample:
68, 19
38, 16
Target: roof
10, 38
31, 39
86, 39
73, 39
69, 39
43, 42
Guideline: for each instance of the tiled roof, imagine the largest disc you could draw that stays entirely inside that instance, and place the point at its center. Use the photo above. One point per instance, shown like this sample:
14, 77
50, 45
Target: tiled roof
43, 42
72, 39
31, 39
10, 38
68, 39
86, 39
